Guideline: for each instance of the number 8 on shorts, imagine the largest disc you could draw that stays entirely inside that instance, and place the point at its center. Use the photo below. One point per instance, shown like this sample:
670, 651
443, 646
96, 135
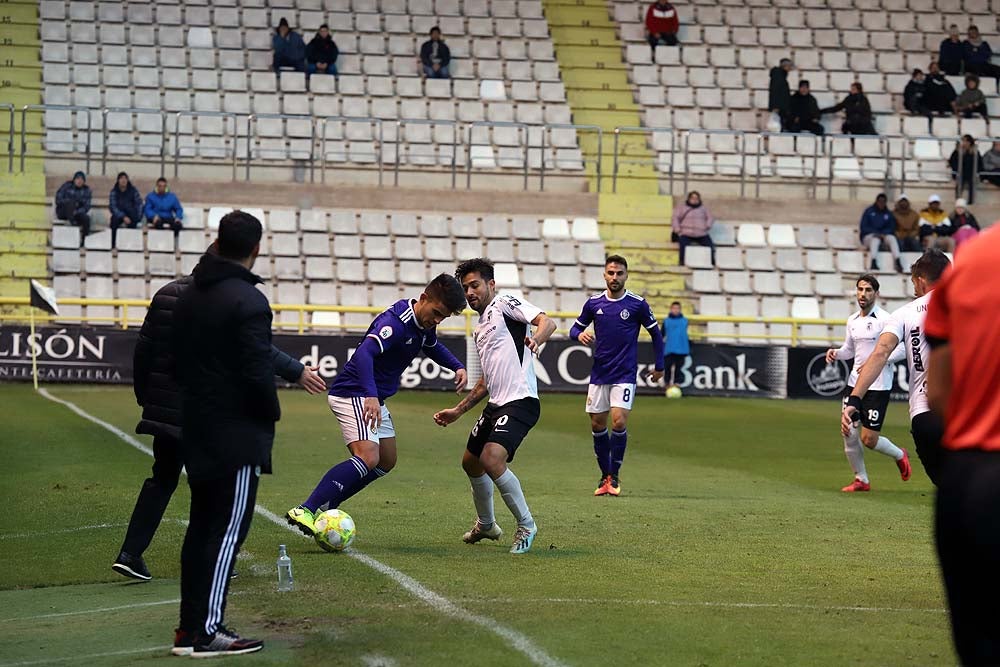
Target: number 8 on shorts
603, 397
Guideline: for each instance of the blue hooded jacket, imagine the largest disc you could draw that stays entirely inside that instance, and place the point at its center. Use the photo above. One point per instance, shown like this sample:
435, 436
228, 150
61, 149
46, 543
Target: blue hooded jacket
875, 221
166, 206
675, 336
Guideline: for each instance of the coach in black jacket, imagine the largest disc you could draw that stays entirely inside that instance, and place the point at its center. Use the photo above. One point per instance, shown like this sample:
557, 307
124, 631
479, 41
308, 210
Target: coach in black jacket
221, 341
160, 398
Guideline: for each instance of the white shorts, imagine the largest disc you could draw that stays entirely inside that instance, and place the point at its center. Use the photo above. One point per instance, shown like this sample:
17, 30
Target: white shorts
350, 413
603, 397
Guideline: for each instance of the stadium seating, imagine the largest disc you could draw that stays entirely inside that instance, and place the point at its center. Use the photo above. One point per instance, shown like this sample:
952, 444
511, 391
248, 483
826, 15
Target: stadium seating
341, 257
713, 87
209, 67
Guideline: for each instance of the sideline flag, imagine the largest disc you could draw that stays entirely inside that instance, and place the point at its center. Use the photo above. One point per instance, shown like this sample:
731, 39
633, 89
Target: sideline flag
44, 297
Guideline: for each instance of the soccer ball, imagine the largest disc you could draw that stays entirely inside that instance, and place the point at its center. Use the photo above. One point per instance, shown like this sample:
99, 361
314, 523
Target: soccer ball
673, 391
334, 530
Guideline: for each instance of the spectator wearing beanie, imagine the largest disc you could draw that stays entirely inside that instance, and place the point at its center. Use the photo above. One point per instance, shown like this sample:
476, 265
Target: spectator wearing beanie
935, 226
289, 49
964, 223
73, 203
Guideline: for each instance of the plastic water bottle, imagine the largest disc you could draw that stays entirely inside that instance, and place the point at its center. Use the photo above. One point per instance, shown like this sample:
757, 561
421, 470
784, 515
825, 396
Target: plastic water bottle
285, 581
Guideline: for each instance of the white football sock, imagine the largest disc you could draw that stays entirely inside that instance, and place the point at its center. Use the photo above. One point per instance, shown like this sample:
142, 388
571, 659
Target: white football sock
482, 497
510, 490
885, 446
855, 452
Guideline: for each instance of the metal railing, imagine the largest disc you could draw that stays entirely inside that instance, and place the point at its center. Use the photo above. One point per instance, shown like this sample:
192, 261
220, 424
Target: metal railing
105, 142
369, 120
194, 115
42, 108
304, 320
10, 137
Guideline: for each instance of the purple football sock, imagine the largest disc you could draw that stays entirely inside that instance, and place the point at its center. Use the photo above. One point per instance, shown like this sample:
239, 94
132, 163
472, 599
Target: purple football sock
373, 474
335, 485
602, 450
619, 439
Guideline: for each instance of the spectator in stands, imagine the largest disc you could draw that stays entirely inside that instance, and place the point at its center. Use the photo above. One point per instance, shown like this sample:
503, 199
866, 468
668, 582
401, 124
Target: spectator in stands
803, 111
967, 172
991, 165
977, 55
913, 95
878, 227
163, 209
676, 344
972, 100
779, 94
322, 52
662, 24
125, 204
289, 49
964, 223
935, 227
907, 225
857, 111
73, 203
691, 224
938, 91
435, 56
951, 56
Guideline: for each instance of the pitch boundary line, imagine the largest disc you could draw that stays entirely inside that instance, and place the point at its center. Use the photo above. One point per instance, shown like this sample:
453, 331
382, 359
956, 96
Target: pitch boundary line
718, 605
110, 654
43, 533
520, 642
89, 611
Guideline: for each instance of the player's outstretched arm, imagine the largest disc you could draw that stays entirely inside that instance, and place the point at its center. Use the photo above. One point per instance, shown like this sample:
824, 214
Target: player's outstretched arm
451, 415
870, 371
657, 337
545, 326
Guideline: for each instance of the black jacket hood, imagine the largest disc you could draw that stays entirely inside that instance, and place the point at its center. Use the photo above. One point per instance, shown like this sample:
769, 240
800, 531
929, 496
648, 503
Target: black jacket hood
212, 269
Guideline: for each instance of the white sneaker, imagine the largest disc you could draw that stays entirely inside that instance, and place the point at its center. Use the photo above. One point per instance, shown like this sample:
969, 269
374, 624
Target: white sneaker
477, 533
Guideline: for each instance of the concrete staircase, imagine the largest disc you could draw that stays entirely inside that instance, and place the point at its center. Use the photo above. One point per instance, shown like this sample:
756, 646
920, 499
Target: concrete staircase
24, 221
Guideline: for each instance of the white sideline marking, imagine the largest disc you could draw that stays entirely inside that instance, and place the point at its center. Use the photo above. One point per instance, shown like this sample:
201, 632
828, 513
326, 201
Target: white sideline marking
375, 660
439, 603
90, 611
719, 605
42, 533
75, 658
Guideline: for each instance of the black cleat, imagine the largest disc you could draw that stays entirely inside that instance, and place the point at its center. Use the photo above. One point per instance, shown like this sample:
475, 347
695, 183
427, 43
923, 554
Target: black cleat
132, 567
224, 642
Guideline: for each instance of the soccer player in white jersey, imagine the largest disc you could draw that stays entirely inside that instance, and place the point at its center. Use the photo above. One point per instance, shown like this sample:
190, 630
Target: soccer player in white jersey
617, 316
506, 353
863, 330
906, 325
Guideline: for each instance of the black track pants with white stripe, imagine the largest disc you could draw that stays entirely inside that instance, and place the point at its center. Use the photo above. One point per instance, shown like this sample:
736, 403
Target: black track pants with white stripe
221, 511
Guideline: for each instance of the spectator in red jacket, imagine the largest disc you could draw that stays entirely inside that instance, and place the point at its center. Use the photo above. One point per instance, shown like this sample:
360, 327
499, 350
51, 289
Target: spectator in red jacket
662, 25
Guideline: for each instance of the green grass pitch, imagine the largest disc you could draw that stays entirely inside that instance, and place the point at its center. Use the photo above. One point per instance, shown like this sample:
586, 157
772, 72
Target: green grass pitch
731, 544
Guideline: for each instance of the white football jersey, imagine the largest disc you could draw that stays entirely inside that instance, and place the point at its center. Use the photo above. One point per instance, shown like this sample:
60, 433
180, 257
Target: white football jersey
507, 363
907, 324
859, 342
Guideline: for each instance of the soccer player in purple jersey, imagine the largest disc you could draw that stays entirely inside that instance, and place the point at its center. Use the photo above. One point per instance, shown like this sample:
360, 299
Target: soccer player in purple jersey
617, 316
358, 393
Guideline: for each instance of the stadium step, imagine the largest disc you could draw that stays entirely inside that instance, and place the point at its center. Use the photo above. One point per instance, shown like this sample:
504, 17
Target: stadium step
597, 89
635, 217
24, 231
19, 12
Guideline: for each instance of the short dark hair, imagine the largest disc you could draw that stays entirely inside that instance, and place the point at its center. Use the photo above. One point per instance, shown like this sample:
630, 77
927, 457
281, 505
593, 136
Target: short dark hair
239, 234
675, 303
448, 291
867, 278
616, 259
804, 82
859, 86
969, 138
930, 265
161, 180
434, 30
324, 26
881, 195
480, 265
971, 77
917, 71
784, 61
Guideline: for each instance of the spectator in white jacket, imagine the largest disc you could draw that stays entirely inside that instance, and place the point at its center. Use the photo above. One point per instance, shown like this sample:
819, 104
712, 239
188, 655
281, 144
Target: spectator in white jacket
691, 224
